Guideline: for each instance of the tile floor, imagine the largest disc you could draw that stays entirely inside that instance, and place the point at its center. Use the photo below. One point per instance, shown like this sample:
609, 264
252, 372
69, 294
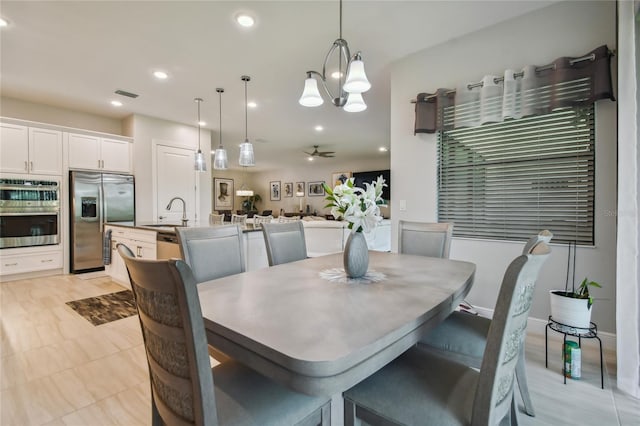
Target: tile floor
58, 369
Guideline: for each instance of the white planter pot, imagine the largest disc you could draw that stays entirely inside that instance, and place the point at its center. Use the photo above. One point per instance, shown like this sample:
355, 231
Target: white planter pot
570, 311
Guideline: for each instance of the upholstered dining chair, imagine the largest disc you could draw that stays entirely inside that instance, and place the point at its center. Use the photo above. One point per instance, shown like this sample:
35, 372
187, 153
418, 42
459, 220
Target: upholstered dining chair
462, 337
216, 219
258, 220
239, 218
424, 239
184, 388
212, 252
422, 388
285, 242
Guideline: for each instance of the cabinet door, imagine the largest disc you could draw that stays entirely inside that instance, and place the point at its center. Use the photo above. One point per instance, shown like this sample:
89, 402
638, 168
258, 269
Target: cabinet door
84, 152
14, 148
45, 151
116, 155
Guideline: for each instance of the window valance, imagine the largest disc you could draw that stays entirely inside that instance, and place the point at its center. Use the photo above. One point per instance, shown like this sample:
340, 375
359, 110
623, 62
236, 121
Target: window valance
534, 90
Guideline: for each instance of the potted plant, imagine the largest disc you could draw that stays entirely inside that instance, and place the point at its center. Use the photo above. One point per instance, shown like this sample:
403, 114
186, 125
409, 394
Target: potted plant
573, 308
249, 204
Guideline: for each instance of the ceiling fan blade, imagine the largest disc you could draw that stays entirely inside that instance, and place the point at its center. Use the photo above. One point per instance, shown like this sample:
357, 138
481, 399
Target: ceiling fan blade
309, 153
325, 155
326, 152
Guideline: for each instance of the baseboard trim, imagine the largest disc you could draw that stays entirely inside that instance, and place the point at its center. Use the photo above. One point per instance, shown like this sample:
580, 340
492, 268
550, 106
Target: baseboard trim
536, 326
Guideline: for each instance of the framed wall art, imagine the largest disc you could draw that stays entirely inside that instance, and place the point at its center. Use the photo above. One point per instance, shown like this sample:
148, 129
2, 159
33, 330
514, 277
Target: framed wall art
274, 190
223, 193
299, 189
339, 178
316, 189
288, 189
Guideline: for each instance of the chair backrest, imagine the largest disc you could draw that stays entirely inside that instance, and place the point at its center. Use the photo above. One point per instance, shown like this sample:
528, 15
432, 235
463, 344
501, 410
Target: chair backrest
424, 239
239, 218
284, 241
284, 219
216, 219
544, 236
259, 220
212, 252
175, 342
267, 212
505, 338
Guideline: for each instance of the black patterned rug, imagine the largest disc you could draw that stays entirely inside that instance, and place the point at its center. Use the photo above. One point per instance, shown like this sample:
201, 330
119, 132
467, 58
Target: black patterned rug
106, 308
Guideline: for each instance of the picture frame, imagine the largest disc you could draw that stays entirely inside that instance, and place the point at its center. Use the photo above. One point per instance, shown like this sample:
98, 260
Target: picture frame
274, 190
288, 189
299, 189
316, 189
223, 194
338, 178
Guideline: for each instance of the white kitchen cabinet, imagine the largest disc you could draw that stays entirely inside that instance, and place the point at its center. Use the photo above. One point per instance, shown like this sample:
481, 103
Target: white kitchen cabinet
97, 153
142, 243
30, 259
30, 150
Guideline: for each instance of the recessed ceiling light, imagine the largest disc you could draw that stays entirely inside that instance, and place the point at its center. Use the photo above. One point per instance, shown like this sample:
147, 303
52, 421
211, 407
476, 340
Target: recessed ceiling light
383, 149
116, 103
202, 123
245, 20
160, 75
336, 74
3, 22
252, 104
310, 158
319, 128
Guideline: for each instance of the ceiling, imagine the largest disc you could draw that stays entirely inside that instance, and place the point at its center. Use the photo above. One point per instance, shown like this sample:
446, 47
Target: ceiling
76, 54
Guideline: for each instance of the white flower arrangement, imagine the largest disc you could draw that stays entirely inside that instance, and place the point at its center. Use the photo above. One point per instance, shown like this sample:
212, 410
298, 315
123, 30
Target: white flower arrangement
359, 207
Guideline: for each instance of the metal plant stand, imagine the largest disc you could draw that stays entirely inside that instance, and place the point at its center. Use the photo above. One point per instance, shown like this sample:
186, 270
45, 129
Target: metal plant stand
580, 333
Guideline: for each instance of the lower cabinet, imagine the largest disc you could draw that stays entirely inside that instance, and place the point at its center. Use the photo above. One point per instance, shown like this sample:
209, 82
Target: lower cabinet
30, 259
141, 243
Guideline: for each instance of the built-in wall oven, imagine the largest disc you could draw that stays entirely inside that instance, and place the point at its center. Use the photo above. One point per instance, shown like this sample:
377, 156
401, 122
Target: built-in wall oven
29, 213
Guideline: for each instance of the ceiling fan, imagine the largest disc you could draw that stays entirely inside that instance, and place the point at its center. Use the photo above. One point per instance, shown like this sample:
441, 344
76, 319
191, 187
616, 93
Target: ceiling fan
316, 153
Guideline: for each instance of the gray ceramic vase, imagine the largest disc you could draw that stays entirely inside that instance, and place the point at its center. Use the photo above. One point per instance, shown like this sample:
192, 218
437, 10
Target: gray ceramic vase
356, 255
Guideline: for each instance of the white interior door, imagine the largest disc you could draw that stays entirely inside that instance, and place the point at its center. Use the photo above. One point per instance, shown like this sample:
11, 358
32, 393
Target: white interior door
175, 177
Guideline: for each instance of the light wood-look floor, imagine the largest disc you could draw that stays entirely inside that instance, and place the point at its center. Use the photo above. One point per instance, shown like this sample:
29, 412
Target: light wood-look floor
58, 369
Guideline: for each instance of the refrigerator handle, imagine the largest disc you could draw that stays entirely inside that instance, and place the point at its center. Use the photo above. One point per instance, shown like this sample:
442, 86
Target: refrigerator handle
102, 208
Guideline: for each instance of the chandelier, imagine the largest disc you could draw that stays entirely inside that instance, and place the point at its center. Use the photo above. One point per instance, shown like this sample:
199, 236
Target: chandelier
220, 157
348, 94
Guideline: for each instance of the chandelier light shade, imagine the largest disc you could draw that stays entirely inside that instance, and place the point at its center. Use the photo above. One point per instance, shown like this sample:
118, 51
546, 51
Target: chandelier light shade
355, 83
200, 164
246, 148
220, 161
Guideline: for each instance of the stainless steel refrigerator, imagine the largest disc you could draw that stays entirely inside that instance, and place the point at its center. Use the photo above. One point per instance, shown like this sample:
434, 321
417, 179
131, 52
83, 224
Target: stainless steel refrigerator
95, 199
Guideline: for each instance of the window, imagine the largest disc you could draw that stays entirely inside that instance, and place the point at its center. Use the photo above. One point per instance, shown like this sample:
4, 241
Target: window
510, 180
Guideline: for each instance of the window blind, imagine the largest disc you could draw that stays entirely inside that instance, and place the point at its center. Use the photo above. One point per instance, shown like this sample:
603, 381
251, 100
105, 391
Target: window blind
510, 180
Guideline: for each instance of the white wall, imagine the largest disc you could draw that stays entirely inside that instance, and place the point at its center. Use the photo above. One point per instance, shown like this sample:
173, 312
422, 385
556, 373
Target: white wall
564, 29
145, 131
24, 110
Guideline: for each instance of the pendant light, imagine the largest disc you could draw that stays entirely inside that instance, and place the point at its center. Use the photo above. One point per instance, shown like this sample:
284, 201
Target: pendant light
246, 149
220, 157
200, 163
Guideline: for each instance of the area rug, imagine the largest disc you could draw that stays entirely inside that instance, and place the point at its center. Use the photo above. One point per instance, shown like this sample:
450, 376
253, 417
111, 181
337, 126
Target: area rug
106, 308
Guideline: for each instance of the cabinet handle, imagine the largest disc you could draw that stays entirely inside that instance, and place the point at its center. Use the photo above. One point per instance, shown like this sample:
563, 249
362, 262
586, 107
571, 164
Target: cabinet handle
139, 251
11, 264
102, 163
46, 260
31, 163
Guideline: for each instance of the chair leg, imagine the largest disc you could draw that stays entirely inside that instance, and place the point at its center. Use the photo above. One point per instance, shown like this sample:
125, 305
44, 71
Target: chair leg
521, 376
349, 413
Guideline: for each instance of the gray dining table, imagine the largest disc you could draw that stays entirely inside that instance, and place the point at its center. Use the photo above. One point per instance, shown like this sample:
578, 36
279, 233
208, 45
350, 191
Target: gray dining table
306, 326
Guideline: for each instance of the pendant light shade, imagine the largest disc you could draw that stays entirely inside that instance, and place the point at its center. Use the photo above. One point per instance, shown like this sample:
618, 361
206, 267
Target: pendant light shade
310, 95
220, 161
355, 103
246, 148
357, 81
200, 164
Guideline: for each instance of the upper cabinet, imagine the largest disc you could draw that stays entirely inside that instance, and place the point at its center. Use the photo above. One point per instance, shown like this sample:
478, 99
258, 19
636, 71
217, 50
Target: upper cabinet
30, 150
97, 153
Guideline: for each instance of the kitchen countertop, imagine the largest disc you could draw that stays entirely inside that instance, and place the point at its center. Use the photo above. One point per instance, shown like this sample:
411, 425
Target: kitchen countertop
165, 227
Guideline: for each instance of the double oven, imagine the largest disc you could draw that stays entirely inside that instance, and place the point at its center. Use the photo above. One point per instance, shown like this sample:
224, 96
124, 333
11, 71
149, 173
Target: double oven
29, 212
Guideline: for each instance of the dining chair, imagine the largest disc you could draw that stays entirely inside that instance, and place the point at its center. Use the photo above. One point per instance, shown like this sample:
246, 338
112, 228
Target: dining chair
424, 239
422, 388
212, 252
285, 242
216, 219
258, 220
239, 218
185, 390
284, 219
462, 337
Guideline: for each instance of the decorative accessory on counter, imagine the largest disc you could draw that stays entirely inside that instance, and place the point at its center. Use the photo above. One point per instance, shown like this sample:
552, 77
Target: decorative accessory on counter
246, 149
200, 163
220, 161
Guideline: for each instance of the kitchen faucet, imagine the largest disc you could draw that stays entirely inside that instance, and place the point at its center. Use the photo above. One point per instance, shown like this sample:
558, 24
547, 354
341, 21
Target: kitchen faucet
184, 209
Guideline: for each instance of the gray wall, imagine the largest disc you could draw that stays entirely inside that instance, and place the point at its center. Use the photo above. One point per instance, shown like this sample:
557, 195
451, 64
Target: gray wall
563, 29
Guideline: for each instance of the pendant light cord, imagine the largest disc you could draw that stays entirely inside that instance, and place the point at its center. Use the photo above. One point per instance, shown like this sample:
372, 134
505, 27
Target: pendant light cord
220, 121
246, 138
198, 100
